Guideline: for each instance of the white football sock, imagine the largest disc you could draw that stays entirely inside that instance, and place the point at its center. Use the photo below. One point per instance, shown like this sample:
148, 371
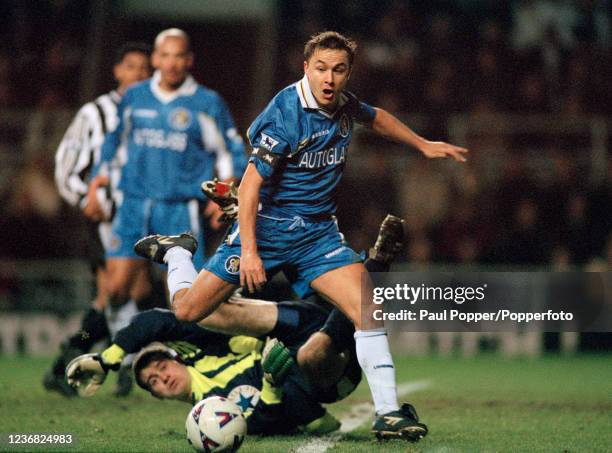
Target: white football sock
376, 362
181, 271
119, 317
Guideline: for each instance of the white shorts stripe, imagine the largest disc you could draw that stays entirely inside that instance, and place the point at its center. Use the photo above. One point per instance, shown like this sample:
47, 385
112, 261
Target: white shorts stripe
194, 216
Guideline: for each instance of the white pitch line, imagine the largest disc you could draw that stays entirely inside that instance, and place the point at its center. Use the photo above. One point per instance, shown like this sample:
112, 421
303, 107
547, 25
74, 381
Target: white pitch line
356, 417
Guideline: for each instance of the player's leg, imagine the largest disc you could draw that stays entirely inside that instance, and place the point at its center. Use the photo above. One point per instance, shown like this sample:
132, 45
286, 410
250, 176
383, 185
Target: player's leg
123, 265
347, 286
343, 286
202, 298
128, 285
252, 317
325, 356
141, 286
320, 355
121, 275
193, 296
126, 291
93, 327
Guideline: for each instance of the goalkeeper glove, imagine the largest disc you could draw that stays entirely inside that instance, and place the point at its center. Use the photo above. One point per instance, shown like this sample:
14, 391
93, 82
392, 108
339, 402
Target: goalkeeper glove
87, 372
276, 361
225, 195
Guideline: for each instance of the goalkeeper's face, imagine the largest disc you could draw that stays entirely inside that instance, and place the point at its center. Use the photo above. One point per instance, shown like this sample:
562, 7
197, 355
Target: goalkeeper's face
166, 378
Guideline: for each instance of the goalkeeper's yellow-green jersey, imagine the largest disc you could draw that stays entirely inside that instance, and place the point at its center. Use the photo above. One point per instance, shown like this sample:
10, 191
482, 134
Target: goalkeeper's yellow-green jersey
227, 366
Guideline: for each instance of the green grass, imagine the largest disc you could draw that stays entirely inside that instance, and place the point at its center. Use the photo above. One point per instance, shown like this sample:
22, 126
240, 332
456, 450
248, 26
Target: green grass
484, 404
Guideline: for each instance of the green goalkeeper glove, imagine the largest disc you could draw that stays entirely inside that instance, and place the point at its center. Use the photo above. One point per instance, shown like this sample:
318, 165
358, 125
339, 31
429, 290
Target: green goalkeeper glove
87, 372
276, 361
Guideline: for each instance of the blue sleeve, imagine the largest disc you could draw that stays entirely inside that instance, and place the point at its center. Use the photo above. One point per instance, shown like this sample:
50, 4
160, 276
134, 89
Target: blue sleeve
360, 111
365, 113
270, 141
233, 141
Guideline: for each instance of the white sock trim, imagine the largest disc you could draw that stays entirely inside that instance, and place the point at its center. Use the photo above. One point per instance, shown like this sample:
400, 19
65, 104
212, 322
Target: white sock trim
181, 271
370, 333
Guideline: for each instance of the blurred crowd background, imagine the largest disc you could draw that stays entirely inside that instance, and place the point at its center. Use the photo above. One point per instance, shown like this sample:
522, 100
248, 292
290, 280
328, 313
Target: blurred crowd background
524, 84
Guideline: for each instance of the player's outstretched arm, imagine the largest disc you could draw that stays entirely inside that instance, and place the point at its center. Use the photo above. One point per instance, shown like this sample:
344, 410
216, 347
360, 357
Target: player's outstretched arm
252, 273
389, 126
87, 372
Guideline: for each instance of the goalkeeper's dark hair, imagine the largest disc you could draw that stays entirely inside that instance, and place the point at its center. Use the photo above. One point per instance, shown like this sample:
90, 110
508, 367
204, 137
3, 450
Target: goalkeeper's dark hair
129, 47
144, 361
330, 40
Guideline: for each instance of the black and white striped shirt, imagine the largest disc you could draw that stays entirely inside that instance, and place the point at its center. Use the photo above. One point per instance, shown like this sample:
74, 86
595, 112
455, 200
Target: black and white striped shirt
80, 147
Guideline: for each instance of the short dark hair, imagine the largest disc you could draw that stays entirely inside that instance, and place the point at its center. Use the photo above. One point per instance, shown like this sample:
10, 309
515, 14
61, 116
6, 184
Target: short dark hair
144, 361
330, 40
129, 47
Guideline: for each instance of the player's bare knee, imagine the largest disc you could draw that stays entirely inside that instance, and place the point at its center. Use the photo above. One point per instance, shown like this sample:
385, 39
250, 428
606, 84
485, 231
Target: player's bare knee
117, 291
117, 299
141, 291
183, 312
319, 361
185, 308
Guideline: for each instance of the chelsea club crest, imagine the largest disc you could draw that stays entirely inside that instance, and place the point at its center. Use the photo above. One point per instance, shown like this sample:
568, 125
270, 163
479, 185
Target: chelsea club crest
232, 264
345, 125
179, 118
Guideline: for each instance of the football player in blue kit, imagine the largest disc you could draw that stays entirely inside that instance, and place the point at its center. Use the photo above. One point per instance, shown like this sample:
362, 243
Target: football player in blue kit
177, 133
286, 220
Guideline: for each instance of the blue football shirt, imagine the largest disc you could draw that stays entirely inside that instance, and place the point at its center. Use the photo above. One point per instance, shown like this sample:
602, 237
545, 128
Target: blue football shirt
300, 150
174, 141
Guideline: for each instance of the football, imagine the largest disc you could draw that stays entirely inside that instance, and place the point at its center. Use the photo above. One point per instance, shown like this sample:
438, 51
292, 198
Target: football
215, 424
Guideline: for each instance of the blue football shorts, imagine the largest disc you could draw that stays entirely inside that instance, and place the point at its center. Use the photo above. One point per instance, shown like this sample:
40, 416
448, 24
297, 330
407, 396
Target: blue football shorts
138, 217
304, 249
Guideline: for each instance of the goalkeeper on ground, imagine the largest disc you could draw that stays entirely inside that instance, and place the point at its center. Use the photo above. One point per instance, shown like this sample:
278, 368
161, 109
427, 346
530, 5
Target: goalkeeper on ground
179, 360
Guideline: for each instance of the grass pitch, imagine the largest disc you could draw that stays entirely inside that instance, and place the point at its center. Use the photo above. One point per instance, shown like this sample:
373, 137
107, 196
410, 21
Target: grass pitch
488, 404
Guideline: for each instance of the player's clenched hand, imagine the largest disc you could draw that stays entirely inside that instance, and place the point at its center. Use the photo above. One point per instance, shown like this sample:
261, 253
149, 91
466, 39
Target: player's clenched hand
434, 150
252, 273
92, 209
